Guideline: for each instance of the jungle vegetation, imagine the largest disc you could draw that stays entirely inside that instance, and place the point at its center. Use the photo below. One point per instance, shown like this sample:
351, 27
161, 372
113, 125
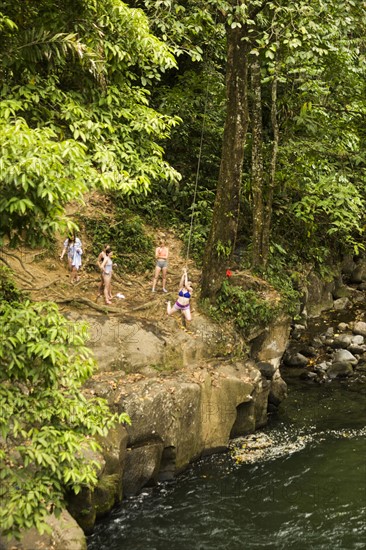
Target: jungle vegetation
256, 107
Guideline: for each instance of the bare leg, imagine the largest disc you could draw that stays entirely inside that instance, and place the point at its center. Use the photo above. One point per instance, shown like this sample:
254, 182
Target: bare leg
169, 309
107, 289
69, 262
110, 288
101, 286
165, 269
187, 317
156, 276
74, 274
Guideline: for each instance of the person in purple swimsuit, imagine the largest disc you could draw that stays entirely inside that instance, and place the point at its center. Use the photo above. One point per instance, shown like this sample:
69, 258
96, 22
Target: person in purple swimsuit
183, 301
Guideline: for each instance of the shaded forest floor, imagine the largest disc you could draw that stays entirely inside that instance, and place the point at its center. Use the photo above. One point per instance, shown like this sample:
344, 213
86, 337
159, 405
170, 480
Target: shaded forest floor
44, 277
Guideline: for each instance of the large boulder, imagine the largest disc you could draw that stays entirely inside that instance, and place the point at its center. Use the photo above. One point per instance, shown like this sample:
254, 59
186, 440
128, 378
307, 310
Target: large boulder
340, 369
359, 327
142, 466
177, 418
65, 534
344, 356
320, 295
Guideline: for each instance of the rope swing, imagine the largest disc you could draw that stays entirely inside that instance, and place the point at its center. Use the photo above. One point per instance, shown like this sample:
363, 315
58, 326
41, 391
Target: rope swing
197, 172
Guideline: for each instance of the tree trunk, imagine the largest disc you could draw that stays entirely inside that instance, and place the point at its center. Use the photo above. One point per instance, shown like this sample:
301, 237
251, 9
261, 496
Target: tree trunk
258, 183
272, 175
220, 243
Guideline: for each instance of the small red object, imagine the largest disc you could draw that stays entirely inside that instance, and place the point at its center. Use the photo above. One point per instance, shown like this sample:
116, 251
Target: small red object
228, 273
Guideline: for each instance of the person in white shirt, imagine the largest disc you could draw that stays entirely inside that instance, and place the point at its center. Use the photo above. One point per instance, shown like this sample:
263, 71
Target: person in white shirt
73, 247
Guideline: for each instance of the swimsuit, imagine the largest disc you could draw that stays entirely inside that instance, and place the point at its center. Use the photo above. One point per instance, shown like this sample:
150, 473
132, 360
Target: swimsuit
184, 294
180, 307
108, 267
161, 263
162, 259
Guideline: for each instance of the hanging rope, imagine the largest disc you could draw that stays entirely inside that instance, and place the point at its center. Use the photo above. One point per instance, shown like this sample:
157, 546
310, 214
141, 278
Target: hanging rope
198, 171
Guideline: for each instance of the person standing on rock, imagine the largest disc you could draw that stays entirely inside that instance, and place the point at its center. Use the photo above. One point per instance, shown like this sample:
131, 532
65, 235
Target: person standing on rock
107, 268
161, 255
100, 261
183, 301
73, 247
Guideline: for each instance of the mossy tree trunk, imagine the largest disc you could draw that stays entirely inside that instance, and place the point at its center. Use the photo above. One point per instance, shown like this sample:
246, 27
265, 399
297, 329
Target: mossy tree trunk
257, 163
221, 240
272, 174
262, 184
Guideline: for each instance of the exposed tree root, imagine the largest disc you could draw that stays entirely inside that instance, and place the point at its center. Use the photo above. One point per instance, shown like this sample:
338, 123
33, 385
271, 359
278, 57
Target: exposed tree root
89, 303
147, 305
20, 261
44, 286
16, 275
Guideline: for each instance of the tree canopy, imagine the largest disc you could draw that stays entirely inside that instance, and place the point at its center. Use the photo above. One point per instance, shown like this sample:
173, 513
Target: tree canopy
267, 97
74, 108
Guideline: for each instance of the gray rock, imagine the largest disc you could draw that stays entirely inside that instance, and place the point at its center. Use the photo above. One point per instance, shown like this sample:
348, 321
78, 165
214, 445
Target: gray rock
266, 369
295, 360
344, 356
356, 350
65, 535
340, 370
341, 303
342, 341
359, 327
278, 391
322, 367
348, 265
308, 350
142, 466
358, 275
308, 375
358, 340
344, 292
320, 295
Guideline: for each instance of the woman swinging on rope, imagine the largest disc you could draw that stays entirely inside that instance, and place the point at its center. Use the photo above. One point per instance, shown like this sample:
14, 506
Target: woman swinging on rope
183, 301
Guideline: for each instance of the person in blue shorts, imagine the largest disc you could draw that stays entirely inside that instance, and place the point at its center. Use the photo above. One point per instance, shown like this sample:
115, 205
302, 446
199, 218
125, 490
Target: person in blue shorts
161, 255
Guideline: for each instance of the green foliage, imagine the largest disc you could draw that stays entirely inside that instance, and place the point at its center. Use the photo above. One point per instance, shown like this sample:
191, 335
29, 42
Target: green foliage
244, 307
47, 426
39, 175
74, 108
189, 27
223, 250
133, 248
8, 290
283, 279
332, 202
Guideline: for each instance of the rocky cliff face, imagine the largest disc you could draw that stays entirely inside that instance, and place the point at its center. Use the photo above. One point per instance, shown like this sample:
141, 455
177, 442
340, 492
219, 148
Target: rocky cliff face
187, 395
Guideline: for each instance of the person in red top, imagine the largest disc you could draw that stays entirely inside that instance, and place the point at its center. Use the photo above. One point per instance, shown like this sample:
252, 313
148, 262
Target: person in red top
161, 255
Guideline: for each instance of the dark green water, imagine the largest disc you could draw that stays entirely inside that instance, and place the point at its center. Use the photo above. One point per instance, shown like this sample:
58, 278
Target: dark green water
311, 498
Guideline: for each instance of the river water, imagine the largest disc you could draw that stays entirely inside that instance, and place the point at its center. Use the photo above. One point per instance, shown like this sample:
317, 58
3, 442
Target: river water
307, 492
